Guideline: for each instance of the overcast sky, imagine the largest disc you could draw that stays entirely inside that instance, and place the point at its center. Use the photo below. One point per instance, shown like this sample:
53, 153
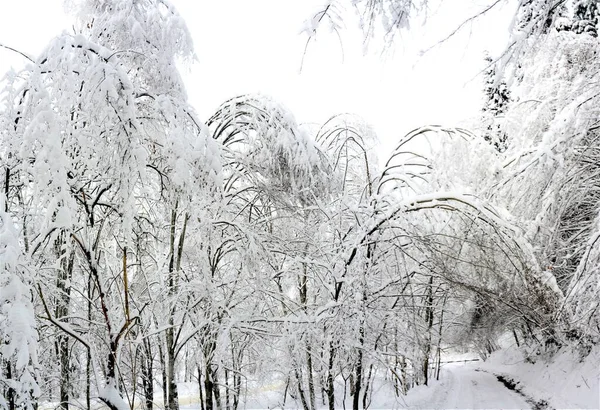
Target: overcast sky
256, 46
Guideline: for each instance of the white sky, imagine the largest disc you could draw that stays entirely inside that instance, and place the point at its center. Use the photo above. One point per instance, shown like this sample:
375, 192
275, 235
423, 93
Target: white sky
256, 46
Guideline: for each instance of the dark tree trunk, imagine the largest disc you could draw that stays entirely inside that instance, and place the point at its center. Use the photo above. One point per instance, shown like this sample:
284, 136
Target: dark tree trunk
429, 323
111, 373
226, 380
147, 373
200, 388
88, 368
303, 292
164, 375
365, 399
311, 381
330, 381
10, 394
63, 346
63, 280
301, 393
216, 388
208, 387
173, 400
359, 376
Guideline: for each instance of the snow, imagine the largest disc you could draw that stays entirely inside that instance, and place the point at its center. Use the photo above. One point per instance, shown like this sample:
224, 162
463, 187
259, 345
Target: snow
563, 380
104, 129
461, 386
464, 386
111, 395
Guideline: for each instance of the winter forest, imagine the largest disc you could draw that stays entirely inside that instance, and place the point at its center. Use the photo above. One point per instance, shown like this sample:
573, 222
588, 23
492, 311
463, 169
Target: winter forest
146, 252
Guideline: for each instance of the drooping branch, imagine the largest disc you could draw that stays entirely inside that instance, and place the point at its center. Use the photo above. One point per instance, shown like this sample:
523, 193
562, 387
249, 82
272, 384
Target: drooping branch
18, 52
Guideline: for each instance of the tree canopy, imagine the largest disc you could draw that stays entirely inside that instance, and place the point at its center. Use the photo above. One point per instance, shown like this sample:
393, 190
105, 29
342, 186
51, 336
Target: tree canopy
141, 246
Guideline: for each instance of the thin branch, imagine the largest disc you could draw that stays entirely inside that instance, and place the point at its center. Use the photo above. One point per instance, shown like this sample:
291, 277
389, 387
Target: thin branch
18, 52
462, 25
60, 325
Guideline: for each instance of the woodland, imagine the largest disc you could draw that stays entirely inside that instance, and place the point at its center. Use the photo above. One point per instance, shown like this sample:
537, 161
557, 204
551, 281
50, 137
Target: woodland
142, 246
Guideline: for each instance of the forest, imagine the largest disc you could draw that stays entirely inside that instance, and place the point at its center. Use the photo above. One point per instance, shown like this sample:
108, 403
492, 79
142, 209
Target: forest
142, 247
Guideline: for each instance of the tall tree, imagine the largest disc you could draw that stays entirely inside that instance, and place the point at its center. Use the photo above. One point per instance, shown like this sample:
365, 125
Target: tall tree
497, 98
17, 324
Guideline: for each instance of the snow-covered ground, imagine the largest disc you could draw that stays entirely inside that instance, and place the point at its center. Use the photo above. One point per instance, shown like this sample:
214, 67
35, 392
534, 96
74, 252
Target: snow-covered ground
564, 381
464, 386
561, 381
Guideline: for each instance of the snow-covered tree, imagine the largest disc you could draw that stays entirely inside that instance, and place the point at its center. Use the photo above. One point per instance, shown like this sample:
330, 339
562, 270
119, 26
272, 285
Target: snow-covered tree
585, 17
497, 98
106, 144
379, 18
17, 322
255, 249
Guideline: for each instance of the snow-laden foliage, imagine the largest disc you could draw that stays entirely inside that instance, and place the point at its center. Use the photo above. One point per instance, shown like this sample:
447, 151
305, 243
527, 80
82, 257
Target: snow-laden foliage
254, 251
17, 324
380, 18
549, 172
497, 98
350, 146
148, 33
423, 161
102, 151
264, 146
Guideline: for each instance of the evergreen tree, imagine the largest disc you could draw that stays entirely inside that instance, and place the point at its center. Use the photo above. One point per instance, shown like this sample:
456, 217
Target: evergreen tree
495, 106
585, 19
563, 22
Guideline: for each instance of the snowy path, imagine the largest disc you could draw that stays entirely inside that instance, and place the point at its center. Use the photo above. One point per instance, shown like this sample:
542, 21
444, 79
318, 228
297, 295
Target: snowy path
464, 387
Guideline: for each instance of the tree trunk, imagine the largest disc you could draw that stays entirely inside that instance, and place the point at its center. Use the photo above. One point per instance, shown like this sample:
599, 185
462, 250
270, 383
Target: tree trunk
311, 382
88, 369
361, 343
404, 376
300, 389
429, 323
237, 378
216, 388
208, 386
439, 343
63, 350
88, 381
10, 395
63, 280
359, 376
367, 386
111, 375
173, 399
200, 388
163, 367
147, 375
303, 292
174, 267
330, 381
227, 407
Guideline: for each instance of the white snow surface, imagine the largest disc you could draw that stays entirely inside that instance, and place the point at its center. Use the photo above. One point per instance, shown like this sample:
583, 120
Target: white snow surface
564, 380
111, 395
464, 386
